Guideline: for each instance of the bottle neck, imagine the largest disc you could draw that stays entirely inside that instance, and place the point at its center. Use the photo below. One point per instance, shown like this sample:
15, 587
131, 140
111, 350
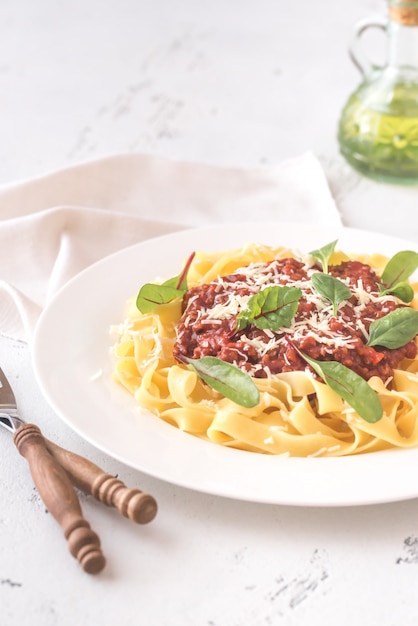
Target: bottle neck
403, 47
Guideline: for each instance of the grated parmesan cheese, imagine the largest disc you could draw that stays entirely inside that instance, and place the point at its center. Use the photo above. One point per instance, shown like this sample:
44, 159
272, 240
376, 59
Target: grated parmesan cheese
316, 321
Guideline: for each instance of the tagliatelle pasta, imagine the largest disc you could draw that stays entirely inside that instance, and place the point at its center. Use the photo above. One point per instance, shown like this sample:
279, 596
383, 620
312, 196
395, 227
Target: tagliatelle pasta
297, 415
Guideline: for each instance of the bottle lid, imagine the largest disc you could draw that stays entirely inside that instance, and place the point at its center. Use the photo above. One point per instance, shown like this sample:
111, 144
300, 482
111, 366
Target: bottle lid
404, 12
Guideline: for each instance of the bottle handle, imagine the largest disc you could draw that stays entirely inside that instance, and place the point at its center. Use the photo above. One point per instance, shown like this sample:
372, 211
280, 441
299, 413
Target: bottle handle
355, 47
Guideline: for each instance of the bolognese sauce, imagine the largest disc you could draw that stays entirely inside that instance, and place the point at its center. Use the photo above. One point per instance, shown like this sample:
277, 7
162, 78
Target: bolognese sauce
208, 326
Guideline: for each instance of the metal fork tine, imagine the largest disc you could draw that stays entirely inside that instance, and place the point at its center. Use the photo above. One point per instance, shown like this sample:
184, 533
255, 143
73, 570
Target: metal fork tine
7, 397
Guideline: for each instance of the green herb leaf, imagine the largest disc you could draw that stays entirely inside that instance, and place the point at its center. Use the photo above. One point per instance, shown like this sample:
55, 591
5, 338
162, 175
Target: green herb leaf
226, 378
272, 308
350, 386
324, 254
403, 291
394, 329
394, 277
152, 295
331, 288
399, 268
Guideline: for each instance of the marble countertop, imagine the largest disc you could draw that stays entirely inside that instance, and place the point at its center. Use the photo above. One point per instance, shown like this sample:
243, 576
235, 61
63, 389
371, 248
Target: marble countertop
240, 83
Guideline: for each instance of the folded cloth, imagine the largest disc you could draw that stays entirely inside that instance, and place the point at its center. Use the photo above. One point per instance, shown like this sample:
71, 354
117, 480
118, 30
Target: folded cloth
54, 226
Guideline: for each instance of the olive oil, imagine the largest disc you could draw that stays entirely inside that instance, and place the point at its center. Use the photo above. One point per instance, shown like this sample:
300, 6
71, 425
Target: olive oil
378, 132
378, 128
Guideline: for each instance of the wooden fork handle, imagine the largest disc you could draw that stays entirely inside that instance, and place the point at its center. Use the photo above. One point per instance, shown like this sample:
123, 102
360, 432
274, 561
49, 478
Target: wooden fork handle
134, 504
56, 491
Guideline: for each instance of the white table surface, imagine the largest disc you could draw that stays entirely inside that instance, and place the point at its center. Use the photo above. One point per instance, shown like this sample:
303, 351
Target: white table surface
236, 82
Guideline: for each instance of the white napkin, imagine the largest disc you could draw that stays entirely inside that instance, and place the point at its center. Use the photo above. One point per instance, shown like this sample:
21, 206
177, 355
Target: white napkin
54, 226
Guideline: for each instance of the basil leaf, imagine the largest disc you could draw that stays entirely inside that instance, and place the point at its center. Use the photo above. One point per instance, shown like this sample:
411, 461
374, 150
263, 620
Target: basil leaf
350, 386
394, 329
152, 295
272, 308
226, 378
403, 291
174, 282
399, 268
331, 288
324, 254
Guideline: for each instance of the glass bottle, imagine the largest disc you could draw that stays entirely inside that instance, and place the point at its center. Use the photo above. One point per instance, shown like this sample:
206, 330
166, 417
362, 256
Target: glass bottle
378, 129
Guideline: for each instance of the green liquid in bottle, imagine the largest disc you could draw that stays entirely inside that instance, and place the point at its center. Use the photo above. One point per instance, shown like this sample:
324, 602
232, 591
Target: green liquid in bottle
378, 130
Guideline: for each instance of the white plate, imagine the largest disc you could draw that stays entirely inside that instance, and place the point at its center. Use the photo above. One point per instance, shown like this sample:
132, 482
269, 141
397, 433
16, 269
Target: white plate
72, 344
